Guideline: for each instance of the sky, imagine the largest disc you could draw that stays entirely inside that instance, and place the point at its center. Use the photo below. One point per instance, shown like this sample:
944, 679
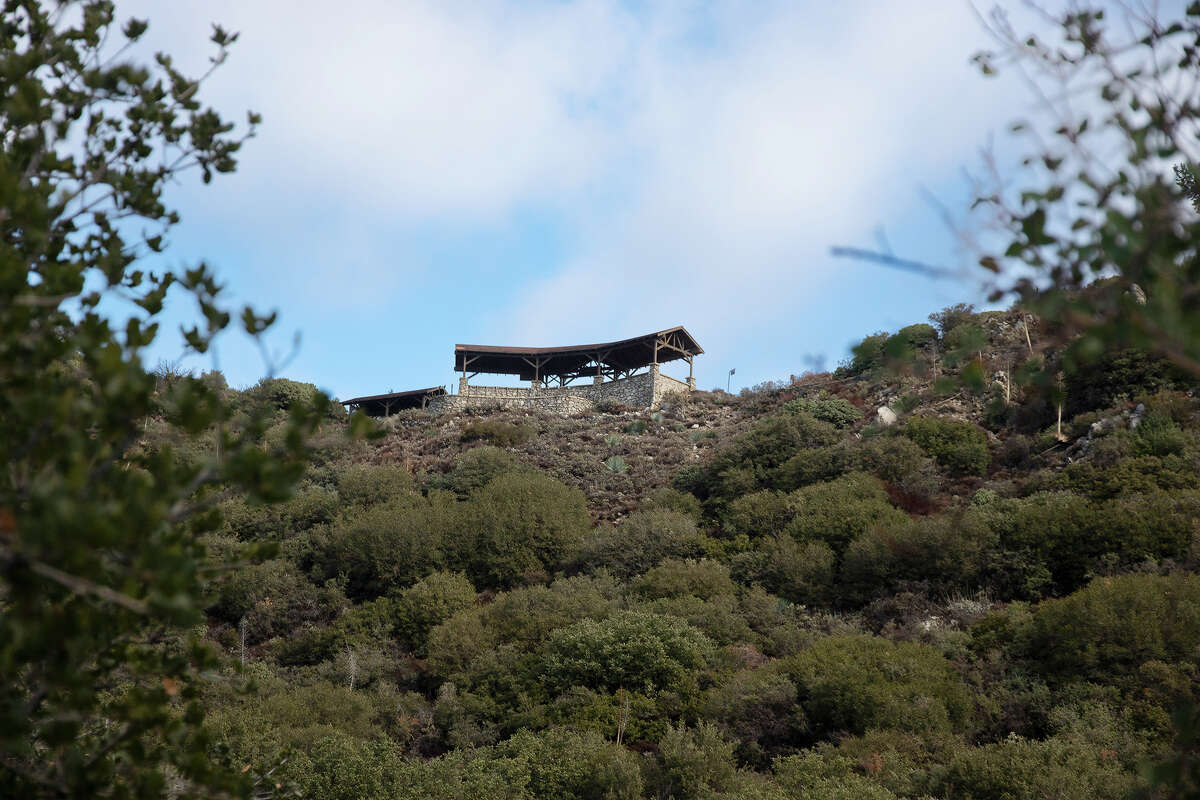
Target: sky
549, 173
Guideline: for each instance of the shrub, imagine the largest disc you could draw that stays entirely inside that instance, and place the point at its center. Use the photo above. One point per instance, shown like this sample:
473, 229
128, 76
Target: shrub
274, 598
368, 484
810, 466
631, 650
860, 683
758, 708
616, 465
524, 523
390, 545
719, 618
960, 447
675, 578
308, 507
565, 764
1030, 770
1109, 629
758, 514
964, 342
838, 511
522, 618
636, 427
693, 763
283, 393
837, 411
474, 468
899, 461
918, 335
666, 499
951, 317
643, 541
501, 434
816, 776
430, 602
1119, 376
801, 572
946, 553
762, 449
868, 355
1071, 536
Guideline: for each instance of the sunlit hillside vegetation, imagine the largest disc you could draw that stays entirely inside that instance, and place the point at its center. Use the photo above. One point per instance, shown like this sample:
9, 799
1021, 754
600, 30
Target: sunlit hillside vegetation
770, 595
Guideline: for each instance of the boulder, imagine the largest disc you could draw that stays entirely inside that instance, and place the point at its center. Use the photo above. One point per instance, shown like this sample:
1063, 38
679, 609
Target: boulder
885, 416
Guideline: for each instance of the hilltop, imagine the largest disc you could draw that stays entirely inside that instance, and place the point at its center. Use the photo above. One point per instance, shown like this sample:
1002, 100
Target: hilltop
781, 593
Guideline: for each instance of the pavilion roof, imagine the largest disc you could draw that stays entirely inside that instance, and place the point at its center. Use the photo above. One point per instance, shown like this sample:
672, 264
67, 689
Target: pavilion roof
379, 405
571, 361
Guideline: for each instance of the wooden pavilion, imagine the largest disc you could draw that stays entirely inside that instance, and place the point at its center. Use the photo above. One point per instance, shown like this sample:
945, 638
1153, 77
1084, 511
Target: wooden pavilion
612, 360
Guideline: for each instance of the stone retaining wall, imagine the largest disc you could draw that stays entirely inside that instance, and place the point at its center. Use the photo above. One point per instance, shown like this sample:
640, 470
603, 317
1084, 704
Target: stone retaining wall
646, 390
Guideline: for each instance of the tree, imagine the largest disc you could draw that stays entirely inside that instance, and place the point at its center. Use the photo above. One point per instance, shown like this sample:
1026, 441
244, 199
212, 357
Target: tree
100, 560
1101, 239
1097, 232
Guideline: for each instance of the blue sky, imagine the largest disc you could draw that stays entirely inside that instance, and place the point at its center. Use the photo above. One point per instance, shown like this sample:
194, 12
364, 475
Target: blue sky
546, 173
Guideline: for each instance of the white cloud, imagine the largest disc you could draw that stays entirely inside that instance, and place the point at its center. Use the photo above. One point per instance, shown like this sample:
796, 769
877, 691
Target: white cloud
706, 154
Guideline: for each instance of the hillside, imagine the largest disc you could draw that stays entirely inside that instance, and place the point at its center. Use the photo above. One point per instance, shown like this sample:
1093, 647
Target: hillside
767, 595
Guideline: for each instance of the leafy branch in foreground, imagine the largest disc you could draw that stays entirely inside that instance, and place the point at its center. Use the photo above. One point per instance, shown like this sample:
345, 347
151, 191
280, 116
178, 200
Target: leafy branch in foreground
100, 557
1097, 233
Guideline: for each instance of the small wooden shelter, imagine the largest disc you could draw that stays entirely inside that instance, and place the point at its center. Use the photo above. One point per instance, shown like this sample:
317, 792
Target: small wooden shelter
381, 405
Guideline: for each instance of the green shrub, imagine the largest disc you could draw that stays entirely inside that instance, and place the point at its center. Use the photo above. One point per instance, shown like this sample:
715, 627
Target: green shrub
1159, 435
815, 776
758, 452
1134, 475
810, 466
667, 499
616, 465
523, 524
636, 427
758, 708
474, 468
1020, 769
951, 317
720, 617
564, 764
918, 335
283, 393
868, 355
947, 554
1117, 377
368, 484
1072, 536
522, 618
964, 342
758, 514
274, 598
704, 579
859, 683
428, 603
693, 763
838, 511
643, 541
500, 434
837, 411
801, 572
390, 545
631, 650
309, 507
1109, 629
959, 447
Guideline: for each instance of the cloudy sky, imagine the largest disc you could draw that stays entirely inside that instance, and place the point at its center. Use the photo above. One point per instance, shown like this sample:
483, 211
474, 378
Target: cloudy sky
538, 173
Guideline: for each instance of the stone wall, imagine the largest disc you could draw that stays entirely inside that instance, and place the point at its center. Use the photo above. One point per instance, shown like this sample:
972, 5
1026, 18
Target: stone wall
646, 390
